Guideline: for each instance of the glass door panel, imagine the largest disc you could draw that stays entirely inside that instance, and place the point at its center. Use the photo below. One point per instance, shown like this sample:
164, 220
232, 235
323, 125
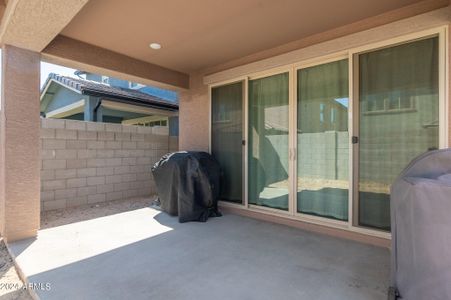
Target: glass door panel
226, 138
323, 140
398, 120
268, 142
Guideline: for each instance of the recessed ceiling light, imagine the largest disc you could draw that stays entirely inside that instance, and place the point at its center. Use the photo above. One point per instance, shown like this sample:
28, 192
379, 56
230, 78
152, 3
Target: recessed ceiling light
155, 46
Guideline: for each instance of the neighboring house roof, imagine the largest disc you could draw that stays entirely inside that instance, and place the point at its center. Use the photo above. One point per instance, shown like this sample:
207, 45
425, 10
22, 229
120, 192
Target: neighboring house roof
93, 88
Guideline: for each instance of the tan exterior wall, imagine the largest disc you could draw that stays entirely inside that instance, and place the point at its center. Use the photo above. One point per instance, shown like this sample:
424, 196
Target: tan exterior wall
173, 144
194, 110
194, 105
22, 28
20, 162
86, 162
449, 90
2, 169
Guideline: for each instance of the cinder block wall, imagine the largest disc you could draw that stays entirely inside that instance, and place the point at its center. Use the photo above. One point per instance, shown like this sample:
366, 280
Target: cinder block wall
323, 155
86, 162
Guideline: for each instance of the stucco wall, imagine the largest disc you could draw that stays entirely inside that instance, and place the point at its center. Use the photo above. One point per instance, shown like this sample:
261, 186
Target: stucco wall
19, 167
2, 171
194, 110
86, 162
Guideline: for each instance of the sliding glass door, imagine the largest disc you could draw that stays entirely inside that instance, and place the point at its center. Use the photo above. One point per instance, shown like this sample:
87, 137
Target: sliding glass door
226, 138
290, 132
323, 140
268, 141
398, 120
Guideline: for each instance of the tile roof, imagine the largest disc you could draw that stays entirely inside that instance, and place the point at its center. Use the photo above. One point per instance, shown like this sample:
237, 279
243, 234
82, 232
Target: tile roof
95, 88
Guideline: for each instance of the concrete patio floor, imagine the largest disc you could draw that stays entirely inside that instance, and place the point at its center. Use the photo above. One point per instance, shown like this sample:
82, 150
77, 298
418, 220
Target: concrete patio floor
146, 254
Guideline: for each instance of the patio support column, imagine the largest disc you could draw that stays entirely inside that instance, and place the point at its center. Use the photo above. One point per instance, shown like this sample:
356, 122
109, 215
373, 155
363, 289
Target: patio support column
194, 116
20, 145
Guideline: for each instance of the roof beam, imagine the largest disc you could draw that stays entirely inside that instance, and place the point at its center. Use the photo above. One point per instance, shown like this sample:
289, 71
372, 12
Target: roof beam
144, 120
83, 56
136, 109
68, 110
33, 24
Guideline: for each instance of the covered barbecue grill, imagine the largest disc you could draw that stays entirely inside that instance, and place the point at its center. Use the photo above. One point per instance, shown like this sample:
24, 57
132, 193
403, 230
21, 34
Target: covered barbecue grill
188, 185
421, 228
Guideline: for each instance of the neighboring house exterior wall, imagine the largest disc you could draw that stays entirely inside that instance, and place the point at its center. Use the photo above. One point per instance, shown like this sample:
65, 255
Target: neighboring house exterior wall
93, 77
165, 94
118, 82
63, 97
391, 154
86, 162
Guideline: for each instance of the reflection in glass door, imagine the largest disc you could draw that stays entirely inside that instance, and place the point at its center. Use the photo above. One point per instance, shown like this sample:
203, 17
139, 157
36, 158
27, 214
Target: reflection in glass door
398, 120
268, 141
226, 138
323, 140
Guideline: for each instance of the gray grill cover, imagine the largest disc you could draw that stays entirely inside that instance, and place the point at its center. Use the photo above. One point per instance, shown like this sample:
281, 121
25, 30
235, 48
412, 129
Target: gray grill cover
421, 228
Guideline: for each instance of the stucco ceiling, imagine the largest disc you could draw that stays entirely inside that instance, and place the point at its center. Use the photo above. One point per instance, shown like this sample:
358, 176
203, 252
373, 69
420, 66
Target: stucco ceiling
197, 34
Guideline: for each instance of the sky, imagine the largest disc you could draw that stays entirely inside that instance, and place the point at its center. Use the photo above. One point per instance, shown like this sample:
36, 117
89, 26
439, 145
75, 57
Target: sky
47, 68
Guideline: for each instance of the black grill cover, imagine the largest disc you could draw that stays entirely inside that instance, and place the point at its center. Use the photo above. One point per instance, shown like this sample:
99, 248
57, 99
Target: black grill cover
188, 185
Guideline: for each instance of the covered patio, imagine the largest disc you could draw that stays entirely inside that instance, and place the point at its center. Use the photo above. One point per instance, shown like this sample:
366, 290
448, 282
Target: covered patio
312, 109
143, 253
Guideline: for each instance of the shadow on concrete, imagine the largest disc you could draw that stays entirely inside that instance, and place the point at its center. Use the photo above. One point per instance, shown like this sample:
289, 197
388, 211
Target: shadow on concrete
21, 245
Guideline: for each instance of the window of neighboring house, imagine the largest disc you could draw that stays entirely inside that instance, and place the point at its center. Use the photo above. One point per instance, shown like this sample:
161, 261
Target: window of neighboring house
105, 79
322, 107
392, 102
333, 113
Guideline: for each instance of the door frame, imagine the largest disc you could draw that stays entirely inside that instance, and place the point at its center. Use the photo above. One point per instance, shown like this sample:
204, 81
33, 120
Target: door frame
260, 75
442, 34
351, 54
303, 216
244, 81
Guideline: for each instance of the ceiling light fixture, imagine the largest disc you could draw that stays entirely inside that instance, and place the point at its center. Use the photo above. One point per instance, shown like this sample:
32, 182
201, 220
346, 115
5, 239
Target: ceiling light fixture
155, 46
